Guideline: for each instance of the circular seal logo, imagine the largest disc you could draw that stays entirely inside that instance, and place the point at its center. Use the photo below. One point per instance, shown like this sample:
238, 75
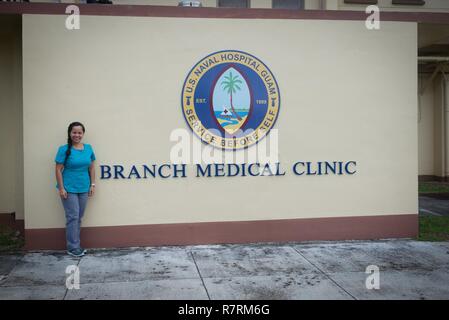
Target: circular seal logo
230, 100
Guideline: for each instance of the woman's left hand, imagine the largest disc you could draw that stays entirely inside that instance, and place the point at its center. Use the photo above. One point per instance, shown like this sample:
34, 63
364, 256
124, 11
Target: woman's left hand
91, 191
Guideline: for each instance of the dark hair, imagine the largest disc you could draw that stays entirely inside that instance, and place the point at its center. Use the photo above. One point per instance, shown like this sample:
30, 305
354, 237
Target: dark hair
69, 139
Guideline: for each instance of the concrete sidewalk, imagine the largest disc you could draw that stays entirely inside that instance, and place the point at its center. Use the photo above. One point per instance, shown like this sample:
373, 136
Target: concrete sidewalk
326, 270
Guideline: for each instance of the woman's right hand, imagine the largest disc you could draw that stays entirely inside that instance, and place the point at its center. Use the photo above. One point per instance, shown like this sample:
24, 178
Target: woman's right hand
63, 193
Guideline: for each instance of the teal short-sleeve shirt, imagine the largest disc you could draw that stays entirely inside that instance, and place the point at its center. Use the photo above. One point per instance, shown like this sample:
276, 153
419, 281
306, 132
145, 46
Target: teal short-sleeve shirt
75, 174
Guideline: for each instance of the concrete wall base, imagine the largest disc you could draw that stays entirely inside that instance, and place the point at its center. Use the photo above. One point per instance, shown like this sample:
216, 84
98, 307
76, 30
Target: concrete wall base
342, 228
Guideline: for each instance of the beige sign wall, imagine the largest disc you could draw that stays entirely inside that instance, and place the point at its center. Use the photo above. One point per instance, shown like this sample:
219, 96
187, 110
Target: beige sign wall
347, 94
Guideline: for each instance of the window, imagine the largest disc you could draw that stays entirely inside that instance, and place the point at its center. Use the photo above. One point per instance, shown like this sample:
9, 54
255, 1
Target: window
288, 4
233, 3
361, 1
410, 2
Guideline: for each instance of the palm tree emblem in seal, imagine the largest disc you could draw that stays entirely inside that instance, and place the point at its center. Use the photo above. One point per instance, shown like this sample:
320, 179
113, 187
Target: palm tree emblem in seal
231, 100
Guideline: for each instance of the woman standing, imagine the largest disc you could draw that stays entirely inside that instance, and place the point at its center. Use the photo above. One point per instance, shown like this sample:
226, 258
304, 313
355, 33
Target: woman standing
75, 174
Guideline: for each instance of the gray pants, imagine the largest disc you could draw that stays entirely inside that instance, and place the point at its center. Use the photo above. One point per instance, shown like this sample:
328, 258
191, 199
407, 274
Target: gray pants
74, 207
